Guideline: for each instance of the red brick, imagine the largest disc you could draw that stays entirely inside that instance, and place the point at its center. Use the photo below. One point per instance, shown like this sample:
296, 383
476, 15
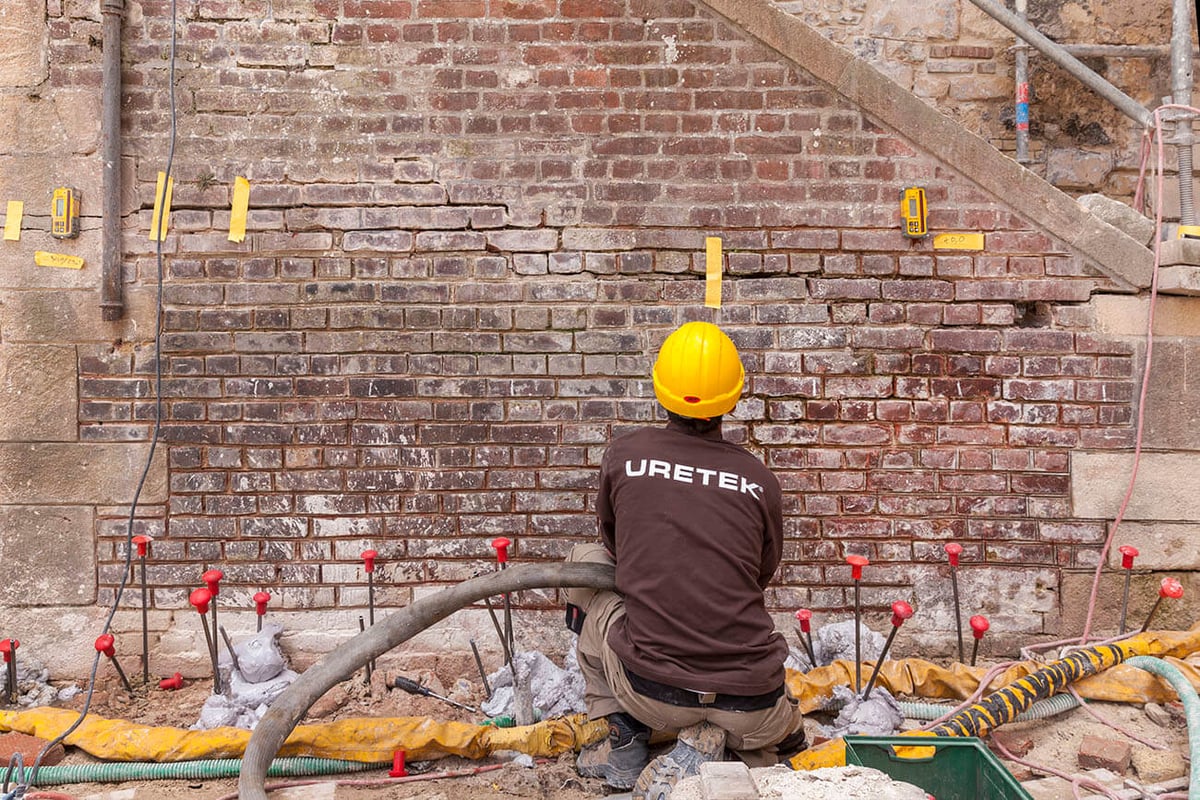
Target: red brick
1096, 752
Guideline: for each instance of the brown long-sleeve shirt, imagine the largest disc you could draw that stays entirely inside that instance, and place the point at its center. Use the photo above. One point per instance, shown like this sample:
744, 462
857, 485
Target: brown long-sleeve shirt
695, 524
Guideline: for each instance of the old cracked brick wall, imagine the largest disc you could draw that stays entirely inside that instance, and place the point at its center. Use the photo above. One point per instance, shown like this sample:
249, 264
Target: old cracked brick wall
472, 223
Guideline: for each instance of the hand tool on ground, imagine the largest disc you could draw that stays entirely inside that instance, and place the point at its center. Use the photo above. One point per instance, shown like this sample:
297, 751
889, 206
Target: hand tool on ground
368, 557
362, 626
173, 682
212, 579
953, 551
856, 567
900, 612
487, 687
260, 608
232, 653
804, 617
9, 648
1170, 587
106, 644
1128, 554
979, 626
200, 598
412, 687
502, 543
143, 542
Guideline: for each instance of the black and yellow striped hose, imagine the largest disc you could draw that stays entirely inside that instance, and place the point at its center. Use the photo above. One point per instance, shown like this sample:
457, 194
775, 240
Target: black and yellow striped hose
1005, 704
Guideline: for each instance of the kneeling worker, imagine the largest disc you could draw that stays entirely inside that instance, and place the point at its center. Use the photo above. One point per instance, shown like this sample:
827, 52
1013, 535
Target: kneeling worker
693, 524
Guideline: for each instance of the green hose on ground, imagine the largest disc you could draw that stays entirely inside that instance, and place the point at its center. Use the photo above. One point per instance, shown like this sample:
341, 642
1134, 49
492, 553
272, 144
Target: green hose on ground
1191, 708
118, 771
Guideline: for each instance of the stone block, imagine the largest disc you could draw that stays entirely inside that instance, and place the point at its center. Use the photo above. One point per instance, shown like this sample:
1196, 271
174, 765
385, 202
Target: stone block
1125, 315
23, 45
1120, 216
1157, 766
1143, 591
54, 315
49, 554
64, 122
37, 393
1012, 599
1161, 545
727, 780
1098, 752
1167, 486
1059, 789
1183, 280
60, 473
17, 270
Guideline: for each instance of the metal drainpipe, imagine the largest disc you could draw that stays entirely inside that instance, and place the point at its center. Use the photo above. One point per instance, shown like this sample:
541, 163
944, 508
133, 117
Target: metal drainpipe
1181, 94
1021, 67
112, 302
1055, 52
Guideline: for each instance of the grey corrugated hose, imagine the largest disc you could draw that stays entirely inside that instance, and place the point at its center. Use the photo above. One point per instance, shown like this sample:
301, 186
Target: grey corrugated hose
290, 707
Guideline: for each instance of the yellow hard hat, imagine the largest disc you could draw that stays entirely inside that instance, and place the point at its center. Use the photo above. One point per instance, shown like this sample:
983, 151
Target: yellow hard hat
698, 373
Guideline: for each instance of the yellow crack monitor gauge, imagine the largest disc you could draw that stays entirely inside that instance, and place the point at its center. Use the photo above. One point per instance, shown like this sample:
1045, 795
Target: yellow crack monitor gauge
64, 213
912, 211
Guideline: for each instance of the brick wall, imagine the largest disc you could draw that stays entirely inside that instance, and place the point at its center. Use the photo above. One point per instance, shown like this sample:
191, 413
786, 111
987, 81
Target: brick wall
472, 224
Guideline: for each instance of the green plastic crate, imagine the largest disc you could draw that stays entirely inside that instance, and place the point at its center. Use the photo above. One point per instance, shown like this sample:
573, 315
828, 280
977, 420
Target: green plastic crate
961, 768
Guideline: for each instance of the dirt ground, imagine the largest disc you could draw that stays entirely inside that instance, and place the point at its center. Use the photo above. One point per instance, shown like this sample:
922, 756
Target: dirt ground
1054, 741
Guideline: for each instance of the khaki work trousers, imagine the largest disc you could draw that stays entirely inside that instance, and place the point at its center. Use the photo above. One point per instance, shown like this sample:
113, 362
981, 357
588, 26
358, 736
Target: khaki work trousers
750, 734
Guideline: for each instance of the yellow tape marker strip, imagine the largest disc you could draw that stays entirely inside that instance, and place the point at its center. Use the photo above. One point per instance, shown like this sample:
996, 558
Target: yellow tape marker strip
12, 221
712, 272
44, 259
958, 241
241, 206
162, 209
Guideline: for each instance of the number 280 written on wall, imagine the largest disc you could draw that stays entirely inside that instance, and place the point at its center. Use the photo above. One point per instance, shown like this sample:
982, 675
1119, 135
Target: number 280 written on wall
958, 241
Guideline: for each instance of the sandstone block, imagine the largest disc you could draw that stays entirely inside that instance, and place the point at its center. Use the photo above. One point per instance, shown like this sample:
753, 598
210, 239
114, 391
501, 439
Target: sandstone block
1156, 766
37, 393
28, 534
56, 473
727, 780
1167, 486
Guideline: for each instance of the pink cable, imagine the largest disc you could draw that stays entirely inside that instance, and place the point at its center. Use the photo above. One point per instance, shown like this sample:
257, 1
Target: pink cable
1141, 413
1076, 780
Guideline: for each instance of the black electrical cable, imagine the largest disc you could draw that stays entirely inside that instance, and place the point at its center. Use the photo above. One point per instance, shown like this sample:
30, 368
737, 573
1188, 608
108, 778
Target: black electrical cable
156, 428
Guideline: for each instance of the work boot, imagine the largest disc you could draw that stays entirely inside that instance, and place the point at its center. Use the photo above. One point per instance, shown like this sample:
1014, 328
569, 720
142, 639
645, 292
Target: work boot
620, 758
792, 744
696, 744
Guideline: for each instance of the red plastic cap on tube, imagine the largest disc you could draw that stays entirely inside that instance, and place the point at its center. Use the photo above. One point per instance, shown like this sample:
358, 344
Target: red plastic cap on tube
368, 557
105, 643
200, 598
804, 616
142, 543
1128, 554
8, 647
1171, 588
501, 543
856, 565
213, 579
953, 550
979, 626
260, 602
900, 612
173, 682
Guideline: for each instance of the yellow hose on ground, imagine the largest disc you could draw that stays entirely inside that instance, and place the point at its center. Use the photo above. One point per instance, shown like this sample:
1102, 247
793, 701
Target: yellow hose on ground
364, 739
373, 740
